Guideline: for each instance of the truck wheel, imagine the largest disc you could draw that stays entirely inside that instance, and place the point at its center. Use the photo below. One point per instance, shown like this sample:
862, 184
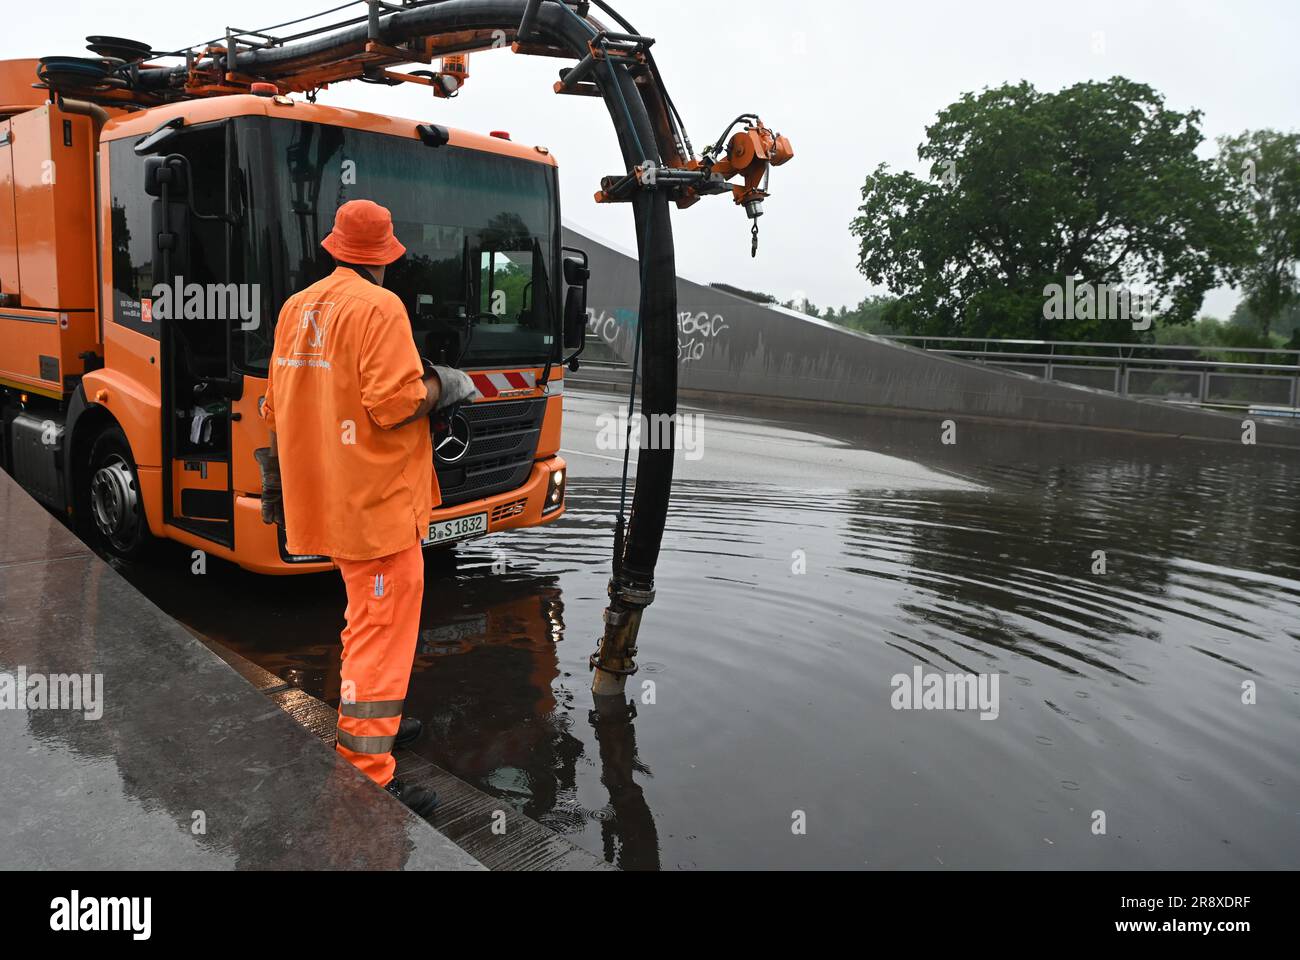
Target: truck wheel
116, 507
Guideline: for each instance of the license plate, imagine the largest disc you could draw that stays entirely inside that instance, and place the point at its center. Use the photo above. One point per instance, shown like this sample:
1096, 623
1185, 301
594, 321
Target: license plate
462, 528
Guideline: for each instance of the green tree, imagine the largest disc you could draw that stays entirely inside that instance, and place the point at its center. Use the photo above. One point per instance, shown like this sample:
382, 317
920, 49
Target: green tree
1286, 323
868, 316
1209, 332
805, 306
1099, 182
1267, 165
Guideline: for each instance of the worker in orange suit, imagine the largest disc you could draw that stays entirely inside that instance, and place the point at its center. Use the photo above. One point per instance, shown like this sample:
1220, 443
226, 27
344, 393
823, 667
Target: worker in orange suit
349, 473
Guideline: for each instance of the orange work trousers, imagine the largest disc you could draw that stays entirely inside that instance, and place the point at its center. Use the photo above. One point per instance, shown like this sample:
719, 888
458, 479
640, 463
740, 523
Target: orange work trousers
383, 625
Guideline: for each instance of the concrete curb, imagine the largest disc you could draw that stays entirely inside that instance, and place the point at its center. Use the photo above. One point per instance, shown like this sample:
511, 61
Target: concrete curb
185, 767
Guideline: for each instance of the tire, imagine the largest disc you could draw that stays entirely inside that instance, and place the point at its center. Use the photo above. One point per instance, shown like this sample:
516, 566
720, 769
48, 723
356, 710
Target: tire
116, 514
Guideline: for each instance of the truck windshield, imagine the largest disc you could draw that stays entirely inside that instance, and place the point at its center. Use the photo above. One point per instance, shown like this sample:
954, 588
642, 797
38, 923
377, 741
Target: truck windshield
481, 233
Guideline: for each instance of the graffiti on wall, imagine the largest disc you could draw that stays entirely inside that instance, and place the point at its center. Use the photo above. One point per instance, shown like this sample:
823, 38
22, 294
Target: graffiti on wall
614, 328
695, 331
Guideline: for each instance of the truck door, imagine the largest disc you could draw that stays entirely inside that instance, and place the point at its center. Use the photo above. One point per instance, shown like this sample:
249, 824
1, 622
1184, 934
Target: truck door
196, 302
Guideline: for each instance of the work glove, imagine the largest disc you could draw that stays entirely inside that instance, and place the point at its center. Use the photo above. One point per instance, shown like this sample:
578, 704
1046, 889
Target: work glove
272, 493
457, 387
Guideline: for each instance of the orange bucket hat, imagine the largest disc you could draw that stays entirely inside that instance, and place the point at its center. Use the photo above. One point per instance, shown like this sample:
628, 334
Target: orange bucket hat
363, 234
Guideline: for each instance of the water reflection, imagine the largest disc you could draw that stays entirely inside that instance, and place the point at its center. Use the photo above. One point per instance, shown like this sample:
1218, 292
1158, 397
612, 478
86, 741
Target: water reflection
499, 707
1121, 689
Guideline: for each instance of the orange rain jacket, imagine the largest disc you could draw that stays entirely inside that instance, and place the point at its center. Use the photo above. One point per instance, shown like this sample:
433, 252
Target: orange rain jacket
344, 372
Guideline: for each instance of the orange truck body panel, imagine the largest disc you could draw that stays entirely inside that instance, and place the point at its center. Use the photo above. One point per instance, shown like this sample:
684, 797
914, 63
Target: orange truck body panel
48, 311
55, 278
16, 91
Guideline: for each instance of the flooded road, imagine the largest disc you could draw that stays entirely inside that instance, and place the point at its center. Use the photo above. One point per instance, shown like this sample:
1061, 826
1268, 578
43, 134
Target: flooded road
794, 588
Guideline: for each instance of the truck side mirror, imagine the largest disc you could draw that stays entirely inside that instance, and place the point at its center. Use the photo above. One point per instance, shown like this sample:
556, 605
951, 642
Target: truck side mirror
165, 181
171, 172
576, 270
577, 273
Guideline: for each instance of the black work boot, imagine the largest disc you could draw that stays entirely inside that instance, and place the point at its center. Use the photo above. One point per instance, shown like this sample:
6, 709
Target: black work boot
408, 731
421, 800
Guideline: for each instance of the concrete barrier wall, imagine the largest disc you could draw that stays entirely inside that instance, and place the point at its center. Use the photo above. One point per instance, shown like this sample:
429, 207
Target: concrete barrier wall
729, 346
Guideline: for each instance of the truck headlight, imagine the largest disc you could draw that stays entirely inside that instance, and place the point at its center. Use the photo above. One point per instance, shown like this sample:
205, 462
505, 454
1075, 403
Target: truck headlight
555, 493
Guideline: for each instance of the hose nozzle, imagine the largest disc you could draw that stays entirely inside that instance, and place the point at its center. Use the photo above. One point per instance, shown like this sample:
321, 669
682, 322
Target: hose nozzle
615, 658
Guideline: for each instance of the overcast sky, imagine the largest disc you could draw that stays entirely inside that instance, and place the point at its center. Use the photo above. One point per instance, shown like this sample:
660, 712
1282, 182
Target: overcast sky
851, 83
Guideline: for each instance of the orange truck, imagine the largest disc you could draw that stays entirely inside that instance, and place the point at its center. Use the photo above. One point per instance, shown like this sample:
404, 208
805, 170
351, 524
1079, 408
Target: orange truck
144, 255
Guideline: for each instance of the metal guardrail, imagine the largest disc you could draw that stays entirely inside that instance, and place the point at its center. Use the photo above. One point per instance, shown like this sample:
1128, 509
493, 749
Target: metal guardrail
1268, 385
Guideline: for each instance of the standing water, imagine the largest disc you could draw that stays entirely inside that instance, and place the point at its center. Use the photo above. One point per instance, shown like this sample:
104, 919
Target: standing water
1136, 602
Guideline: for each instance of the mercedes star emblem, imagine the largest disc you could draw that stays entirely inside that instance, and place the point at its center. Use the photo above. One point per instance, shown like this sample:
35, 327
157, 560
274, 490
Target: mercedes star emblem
453, 447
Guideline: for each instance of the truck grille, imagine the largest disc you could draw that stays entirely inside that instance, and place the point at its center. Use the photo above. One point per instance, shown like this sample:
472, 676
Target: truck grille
502, 448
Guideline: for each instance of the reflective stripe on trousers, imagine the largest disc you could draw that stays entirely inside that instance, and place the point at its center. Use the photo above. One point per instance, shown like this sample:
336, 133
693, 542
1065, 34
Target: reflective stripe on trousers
383, 626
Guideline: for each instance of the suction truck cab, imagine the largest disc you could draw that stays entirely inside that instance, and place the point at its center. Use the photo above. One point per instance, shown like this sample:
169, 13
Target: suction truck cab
144, 256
